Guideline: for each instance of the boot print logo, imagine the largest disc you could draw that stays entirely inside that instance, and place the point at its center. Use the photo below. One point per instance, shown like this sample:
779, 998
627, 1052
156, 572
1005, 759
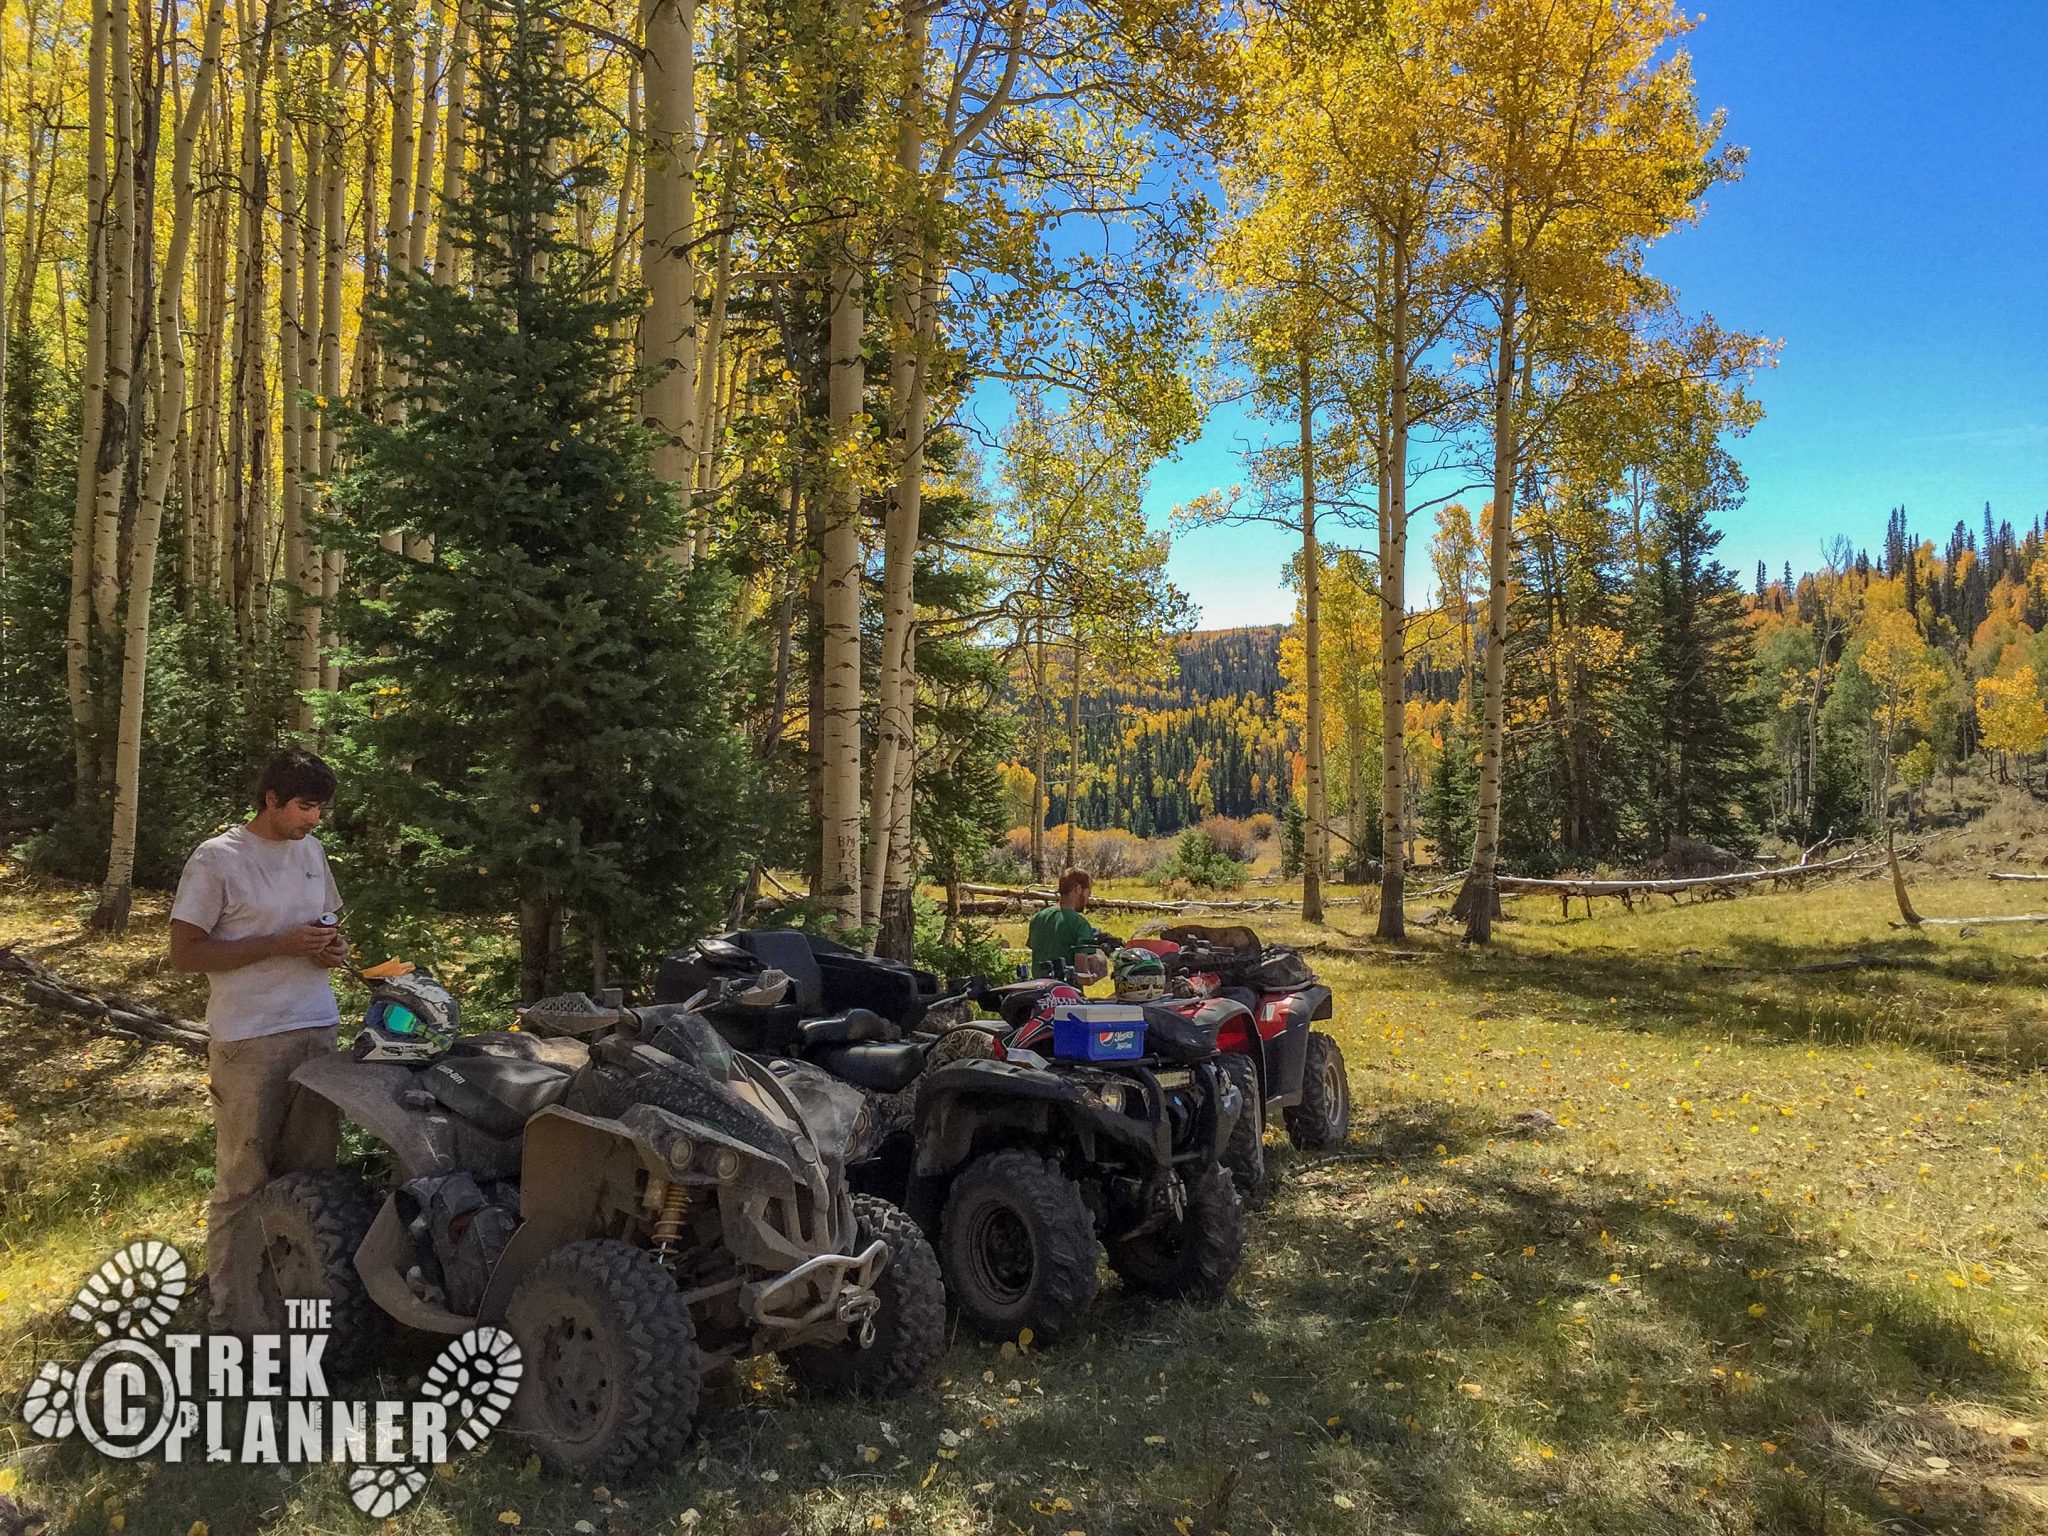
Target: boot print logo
263, 1400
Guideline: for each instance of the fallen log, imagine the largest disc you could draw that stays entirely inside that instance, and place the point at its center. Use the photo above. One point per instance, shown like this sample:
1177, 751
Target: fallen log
1023, 895
1628, 890
109, 1014
1522, 885
1977, 922
1910, 918
2001, 874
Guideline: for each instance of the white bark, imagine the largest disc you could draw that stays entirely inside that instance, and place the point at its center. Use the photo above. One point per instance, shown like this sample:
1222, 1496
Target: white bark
117, 891
837, 708
79, 626
1315, 832
668, 331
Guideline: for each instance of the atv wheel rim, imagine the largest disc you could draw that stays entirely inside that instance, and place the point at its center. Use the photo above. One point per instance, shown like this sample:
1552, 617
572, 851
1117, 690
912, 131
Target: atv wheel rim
575, 1385
1001, 1255
1336, 1094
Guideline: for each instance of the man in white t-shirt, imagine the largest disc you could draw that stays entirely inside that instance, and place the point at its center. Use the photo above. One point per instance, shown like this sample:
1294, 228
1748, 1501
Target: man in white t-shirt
249, 913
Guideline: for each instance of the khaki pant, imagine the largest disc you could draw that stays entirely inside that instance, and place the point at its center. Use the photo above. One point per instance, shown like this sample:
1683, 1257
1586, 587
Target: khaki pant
263, 1126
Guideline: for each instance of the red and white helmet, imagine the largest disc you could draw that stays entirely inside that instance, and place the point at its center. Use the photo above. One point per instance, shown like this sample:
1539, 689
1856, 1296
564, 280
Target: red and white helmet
1054, 997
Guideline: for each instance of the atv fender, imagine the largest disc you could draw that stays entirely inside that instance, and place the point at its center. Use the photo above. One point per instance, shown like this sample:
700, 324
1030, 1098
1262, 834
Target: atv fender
382, 1260
958, 1105
1283, 1029
372, 1094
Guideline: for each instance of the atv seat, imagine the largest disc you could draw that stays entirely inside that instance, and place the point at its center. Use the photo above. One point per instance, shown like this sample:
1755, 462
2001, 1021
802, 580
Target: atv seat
879, 1067
856, 1026
519, 1045
497, 1094
1172, 1036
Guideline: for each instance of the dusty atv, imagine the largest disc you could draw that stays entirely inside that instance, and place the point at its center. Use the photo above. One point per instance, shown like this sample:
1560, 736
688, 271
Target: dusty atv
631, 1209
1023, 1167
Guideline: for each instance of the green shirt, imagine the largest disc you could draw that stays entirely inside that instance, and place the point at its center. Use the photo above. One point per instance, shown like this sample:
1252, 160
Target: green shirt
1056, 932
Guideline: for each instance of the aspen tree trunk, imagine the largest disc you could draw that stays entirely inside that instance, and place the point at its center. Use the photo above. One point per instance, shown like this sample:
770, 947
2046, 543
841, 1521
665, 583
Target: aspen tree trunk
117, 891
668, 330
1354, 769
630, 179
1039, 732
895, 722
203, 509
429, 142
1479, 898
262, 536
1315, 838
711, 355
455, 152
304, 560
334, 232
114, 429
290, 350
6, 621
78, 634
25, 272
1394, 615
397, 215
361, 386
899, 918
839, 572
243, 581
404, 143
1073, 744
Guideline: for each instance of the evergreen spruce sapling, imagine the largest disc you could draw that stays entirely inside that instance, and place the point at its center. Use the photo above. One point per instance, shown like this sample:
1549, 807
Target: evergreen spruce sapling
535, 720
1696, 720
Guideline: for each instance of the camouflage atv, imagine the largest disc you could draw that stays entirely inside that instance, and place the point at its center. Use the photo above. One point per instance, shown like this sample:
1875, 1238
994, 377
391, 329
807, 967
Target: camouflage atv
632, 1209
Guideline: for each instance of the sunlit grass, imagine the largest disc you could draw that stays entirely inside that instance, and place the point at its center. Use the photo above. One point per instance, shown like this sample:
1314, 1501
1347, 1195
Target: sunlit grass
1778, 1268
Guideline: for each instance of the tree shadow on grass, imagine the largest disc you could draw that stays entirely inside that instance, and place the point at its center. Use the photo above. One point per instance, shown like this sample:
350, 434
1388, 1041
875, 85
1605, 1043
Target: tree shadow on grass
1752, 984
1425, 1338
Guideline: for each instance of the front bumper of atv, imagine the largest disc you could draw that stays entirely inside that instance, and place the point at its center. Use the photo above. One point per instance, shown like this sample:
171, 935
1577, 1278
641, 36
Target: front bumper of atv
830, 1293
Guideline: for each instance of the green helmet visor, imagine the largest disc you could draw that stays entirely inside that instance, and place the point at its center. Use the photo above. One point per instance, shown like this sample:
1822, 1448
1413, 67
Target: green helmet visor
395, 1017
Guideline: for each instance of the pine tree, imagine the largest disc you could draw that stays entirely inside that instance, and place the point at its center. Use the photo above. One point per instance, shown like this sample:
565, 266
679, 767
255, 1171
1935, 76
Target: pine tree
536, 723
1448, 800
1696, 718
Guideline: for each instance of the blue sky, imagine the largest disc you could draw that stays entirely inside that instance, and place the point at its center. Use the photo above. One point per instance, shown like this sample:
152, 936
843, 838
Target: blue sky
1891, 231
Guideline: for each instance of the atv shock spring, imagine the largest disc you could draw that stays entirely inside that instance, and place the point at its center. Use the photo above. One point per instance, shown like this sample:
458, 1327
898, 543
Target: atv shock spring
668, 1226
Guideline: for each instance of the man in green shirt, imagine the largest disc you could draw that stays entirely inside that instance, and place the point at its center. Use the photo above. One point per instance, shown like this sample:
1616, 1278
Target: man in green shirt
1058, 933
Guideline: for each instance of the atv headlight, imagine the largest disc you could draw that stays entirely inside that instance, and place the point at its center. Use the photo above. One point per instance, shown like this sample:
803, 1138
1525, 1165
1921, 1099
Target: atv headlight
677, 1150
1109, 1096
720, 1162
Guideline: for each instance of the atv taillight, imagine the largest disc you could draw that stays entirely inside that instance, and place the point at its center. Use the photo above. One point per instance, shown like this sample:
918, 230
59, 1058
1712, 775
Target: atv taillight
996, 1051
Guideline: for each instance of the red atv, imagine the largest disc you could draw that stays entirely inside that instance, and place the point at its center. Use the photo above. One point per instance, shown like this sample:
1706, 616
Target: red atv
1263, 1003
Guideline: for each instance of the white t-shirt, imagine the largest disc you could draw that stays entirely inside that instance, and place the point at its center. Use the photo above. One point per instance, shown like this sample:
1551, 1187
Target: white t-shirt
241, 885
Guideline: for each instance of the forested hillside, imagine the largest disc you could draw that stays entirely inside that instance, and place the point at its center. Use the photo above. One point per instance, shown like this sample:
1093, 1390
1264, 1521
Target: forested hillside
1209, 741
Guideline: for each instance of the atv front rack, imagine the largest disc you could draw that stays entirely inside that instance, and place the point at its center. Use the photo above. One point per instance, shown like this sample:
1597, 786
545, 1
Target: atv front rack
845, 1287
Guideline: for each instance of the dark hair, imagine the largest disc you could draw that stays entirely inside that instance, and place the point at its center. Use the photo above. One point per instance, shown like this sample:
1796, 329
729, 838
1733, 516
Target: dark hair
293, 773
1072, 879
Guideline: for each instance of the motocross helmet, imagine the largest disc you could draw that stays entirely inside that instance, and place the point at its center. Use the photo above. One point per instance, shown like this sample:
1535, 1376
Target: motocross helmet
411, 1019
1053, 997
1139, 974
